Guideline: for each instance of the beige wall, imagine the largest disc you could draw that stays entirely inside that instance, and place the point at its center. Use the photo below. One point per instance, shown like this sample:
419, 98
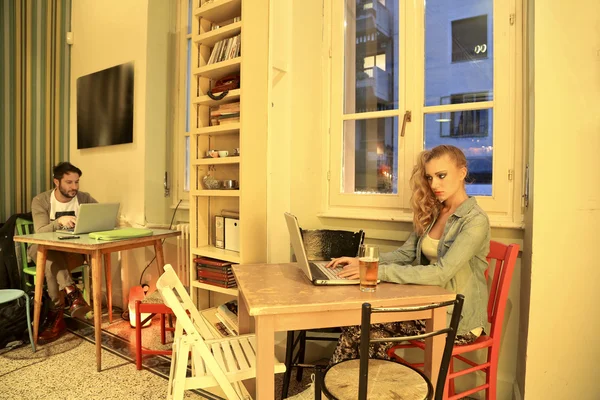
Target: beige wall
107, 33
562, 346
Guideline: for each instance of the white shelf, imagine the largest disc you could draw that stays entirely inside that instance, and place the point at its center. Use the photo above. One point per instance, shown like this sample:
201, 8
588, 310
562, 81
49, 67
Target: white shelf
219, 254
227, 129
213, 288
217, 161
216, 193
220, 10
220, 69
210, 38
207, 101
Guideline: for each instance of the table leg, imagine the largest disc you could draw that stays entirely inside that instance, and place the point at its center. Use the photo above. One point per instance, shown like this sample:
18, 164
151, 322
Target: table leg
244, 320
265, 357
97, 289
434, 347
108, 277
244, 326
160, 256
40, 270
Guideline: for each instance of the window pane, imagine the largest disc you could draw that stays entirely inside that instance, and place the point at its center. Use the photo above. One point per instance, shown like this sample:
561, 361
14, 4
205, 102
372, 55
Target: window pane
371, 55
458, 51
471, 131
370, 156
186, 166
187, 85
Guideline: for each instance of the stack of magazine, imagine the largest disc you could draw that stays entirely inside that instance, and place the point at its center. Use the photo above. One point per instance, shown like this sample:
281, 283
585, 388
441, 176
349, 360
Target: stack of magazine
226, 49
215, 272
222, 320
225, 114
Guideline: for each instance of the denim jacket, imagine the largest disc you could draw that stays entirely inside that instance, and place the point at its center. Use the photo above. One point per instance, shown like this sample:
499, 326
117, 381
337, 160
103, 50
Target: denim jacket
460, 266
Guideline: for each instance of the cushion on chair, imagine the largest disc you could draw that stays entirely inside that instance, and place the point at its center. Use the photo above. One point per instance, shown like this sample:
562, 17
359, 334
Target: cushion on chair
325, 244
387, 380
123, 233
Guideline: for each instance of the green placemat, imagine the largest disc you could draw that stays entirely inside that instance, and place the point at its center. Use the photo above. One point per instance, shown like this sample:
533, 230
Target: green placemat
124, 233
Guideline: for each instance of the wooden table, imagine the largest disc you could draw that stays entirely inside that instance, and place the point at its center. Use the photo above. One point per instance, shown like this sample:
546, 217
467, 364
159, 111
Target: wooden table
281, 298
96, 249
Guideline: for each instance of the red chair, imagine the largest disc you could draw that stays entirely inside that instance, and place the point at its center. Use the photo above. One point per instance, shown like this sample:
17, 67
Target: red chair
506, 257
152, 304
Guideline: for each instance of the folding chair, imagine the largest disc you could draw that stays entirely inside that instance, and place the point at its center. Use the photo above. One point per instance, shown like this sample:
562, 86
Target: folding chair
223, 362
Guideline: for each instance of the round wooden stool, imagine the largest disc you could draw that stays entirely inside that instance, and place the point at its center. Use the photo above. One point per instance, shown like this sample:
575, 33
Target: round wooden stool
386, 380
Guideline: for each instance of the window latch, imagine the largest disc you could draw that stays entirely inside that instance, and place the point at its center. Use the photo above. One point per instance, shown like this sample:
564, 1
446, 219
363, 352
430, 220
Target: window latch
407, 118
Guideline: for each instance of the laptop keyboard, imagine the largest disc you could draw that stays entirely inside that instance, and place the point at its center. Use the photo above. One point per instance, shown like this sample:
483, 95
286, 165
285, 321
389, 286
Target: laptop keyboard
331, 273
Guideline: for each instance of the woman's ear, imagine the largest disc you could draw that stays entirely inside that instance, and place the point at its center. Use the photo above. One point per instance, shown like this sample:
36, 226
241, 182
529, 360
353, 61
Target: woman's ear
463, 173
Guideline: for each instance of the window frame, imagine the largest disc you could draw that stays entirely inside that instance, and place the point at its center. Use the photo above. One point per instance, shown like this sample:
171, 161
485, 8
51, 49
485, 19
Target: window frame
178, 194
504, 206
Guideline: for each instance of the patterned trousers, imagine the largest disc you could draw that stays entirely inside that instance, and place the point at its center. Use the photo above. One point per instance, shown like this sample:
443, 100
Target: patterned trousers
349, 342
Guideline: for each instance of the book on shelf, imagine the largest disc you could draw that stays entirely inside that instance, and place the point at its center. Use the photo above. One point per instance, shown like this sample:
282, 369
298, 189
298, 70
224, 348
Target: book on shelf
212, 261
225, 49
227, 279
218, 283
229, 313
214, 274
224, 121
215, 324
214, 268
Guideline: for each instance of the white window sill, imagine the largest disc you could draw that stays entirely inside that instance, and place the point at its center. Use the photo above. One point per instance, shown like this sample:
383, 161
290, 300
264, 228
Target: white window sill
399, 216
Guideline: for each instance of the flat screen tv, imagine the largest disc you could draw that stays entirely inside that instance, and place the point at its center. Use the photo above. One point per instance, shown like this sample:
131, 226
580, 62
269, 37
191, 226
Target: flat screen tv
105, 107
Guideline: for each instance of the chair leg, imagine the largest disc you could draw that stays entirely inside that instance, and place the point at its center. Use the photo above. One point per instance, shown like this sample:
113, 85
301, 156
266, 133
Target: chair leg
138, 336
85, 272
492, 371
107, 276
289, 355
178, 384
318, 381
163, 338
29, 328
301, 351
450, 382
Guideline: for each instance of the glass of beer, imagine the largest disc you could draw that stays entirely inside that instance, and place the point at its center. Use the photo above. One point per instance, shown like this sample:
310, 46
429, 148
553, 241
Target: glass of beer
368, 258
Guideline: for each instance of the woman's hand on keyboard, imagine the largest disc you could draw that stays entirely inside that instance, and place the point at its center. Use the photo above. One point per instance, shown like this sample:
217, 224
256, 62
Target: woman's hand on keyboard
350, 265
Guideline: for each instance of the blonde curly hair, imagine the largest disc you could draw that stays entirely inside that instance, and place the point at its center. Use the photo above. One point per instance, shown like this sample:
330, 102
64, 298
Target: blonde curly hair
424, 203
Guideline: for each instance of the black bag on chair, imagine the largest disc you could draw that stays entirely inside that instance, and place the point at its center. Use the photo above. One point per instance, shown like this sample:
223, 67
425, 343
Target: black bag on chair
13, 318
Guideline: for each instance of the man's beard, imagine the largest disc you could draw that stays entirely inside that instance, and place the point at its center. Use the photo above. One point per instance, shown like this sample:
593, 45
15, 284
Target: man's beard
66, 193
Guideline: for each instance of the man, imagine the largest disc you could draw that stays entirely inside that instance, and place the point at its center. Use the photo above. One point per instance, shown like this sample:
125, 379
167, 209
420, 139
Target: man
53, 210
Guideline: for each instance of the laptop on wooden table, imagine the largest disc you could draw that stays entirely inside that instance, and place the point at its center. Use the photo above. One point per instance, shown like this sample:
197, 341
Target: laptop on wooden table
94, 217
315, 271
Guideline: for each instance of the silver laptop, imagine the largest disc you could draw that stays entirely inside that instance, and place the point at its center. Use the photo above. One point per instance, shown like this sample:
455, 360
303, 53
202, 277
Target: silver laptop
94, 217
316, 272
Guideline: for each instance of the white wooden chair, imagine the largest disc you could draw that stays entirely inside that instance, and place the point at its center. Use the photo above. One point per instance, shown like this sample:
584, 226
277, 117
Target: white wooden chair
223, 362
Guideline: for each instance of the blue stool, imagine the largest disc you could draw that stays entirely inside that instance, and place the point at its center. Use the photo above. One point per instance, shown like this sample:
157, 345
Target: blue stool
8, 295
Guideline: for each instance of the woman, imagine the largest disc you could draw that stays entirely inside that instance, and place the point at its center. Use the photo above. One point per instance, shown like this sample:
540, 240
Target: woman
448, 248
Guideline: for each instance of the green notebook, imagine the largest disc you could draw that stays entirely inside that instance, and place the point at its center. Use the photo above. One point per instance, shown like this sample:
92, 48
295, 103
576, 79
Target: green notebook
122, 233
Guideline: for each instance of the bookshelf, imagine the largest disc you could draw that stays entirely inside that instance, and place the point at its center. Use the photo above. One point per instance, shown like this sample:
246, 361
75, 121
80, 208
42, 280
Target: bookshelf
248, 20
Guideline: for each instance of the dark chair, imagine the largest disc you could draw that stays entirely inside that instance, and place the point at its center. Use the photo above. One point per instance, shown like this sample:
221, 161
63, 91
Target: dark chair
388, 379
320, 244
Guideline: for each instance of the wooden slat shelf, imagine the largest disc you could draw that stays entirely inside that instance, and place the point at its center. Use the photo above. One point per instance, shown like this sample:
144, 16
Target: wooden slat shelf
219, 254
220, 69
220, 10
207, 101
213, 288
217, 193
217, 161
210, 38
227, 129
